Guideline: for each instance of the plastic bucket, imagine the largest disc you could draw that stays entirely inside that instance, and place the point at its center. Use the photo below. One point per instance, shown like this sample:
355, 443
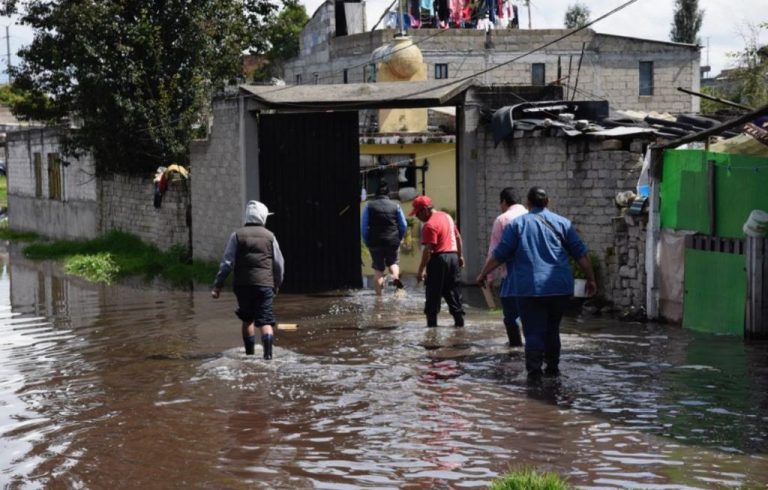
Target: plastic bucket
580, 288
756, 224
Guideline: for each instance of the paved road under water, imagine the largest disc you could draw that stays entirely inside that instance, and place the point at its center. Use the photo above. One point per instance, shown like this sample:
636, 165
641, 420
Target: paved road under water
128, 386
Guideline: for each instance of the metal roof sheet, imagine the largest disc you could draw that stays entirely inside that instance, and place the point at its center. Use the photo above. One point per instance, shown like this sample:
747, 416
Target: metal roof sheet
354, 96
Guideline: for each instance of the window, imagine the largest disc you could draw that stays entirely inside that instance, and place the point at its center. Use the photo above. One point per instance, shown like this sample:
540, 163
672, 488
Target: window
316, 77
54, 176
646, 78
538, 74
369, 73
298, 79
345, 74
441, 70
38, 166
397, 170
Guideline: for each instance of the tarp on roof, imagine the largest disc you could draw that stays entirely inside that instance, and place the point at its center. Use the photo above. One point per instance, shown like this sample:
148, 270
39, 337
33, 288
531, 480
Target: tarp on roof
354, 96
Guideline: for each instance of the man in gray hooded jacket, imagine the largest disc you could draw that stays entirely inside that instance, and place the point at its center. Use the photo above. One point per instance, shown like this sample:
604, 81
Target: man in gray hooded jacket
254, 253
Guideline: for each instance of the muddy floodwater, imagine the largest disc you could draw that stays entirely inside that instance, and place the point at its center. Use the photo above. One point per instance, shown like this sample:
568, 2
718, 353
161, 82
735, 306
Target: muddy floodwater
134, 386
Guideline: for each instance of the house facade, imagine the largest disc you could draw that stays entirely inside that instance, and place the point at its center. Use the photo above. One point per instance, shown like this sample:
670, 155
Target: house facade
62, 197
630, 73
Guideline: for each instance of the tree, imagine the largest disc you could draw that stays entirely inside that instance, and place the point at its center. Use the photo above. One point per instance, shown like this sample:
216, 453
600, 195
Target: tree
687, 22
576, 16
282, 38
751, 73
134, 75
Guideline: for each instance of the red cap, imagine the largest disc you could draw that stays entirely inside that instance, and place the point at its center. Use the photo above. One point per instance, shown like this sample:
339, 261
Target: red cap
421, 202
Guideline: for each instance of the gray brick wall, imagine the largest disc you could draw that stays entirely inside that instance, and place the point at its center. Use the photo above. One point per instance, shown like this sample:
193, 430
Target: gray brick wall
582, 179
89, 206
127, 205
609, 69
218, 186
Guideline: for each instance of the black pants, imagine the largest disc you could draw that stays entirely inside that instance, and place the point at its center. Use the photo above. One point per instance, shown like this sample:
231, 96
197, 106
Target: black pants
443, 281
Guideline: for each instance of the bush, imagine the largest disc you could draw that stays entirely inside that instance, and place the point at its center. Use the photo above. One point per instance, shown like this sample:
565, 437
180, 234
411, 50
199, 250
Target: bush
529, 479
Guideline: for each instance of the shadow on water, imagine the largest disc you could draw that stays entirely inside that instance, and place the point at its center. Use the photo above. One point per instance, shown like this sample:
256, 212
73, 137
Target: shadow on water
128, 386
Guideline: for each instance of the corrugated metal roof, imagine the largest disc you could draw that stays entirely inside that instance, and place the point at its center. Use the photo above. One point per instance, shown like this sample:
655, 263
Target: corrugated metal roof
354, 96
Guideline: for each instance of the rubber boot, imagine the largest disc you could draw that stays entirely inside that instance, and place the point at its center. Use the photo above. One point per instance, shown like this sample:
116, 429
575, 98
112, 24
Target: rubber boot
533, 362
250, 343
458, 320
553, 362
266, 342
431, 320
513, 334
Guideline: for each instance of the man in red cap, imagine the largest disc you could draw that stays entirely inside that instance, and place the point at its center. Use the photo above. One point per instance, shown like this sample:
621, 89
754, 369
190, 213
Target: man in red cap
442, 260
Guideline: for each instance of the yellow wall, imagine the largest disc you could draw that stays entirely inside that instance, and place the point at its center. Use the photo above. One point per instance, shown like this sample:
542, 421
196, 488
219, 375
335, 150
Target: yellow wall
440, 186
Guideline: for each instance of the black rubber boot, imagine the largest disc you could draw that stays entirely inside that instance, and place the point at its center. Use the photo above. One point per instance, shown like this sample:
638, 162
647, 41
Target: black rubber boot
513, 334
431, 320
533, 362
250, 343
553, 362
266, 342
458, 320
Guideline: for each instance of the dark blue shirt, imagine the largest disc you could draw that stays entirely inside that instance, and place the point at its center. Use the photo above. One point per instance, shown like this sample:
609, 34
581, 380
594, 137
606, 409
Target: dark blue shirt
536, 258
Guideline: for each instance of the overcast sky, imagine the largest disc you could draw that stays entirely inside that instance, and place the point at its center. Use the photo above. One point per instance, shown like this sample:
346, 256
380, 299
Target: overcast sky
723, 31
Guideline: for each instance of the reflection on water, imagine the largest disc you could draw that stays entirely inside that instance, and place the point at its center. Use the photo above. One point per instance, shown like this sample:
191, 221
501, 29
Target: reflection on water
122, 386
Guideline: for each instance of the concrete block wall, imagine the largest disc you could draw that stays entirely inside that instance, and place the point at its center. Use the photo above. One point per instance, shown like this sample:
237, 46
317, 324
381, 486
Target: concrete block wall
89, 206
76, 215
609, 69
581, 178
127, 205
627, 265
218, 185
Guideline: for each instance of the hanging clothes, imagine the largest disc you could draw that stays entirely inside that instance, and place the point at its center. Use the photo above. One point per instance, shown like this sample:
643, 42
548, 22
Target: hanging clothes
443, 13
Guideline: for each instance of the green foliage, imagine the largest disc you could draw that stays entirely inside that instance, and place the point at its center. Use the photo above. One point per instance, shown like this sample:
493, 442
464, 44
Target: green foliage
118, 255
98, 267
578, 273
751, 74
576, 16
710, 106
16, 236
687, 22
135, 76
7, 96
282, 36
3, 191
529, 479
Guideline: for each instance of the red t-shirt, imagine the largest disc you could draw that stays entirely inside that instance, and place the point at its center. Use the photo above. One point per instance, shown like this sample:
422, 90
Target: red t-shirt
441, 232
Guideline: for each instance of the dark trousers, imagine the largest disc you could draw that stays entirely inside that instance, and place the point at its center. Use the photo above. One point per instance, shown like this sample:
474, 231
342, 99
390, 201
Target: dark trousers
541, 317
511, 312
443, 281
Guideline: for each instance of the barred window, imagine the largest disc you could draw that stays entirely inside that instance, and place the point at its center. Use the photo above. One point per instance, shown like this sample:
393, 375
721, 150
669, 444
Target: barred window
646, 78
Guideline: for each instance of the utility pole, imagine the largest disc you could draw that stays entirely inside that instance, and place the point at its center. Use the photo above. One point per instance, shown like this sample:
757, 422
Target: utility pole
8, 51
528, 4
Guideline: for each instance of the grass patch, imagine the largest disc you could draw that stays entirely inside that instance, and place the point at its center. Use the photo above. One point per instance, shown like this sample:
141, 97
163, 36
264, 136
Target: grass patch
16, 236
117, 255
529, 479
97, 267
3, 191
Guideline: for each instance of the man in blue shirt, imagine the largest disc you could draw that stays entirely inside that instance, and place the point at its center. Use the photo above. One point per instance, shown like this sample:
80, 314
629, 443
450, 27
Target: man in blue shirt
535, 248
383, 227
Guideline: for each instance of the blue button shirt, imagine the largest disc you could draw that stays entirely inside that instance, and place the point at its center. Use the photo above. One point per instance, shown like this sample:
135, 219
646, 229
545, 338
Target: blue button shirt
536, 258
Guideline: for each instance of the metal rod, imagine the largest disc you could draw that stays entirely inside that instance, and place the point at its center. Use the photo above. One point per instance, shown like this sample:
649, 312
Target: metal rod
716, 99
386, 11
578, 70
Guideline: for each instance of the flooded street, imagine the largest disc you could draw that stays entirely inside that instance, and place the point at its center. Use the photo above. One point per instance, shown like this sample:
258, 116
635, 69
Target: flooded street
130, 386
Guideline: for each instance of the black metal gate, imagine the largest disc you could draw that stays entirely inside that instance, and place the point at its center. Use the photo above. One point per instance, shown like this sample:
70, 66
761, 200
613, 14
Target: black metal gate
309, 173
